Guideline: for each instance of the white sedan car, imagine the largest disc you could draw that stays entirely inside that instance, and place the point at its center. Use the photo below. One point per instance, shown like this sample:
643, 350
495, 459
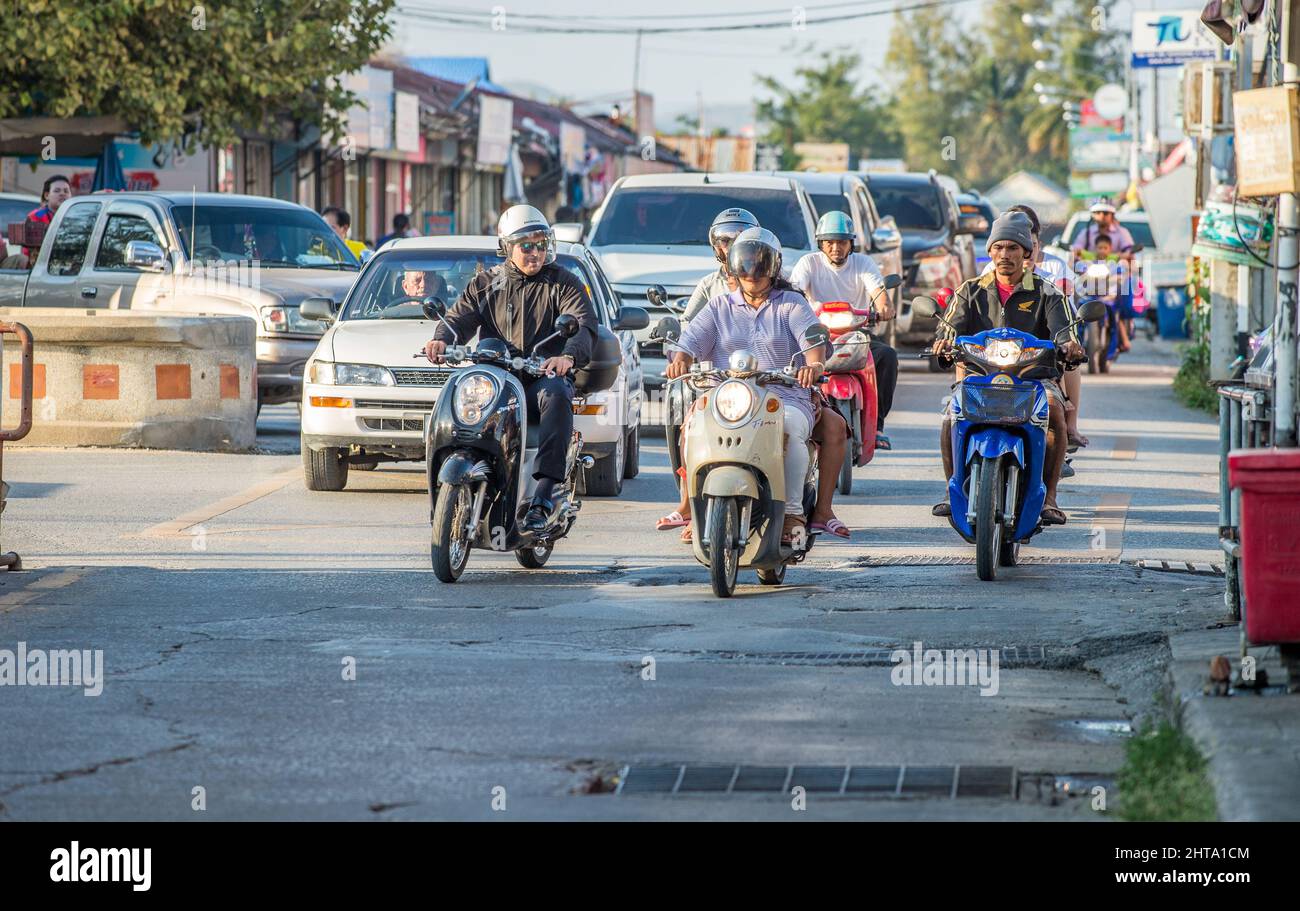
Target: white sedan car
366, 396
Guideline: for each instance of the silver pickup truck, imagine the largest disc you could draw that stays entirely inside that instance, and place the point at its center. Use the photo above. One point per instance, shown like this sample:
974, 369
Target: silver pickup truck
201, 252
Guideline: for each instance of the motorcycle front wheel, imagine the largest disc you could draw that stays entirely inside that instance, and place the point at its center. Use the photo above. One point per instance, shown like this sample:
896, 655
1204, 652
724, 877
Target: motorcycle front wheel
724, 556
450, 544
988, 526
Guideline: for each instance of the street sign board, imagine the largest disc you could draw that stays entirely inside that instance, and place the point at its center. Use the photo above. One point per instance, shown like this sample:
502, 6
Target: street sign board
1171, 38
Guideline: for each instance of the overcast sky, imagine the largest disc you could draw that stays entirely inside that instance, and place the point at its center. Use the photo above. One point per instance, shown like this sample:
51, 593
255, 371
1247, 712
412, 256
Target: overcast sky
675, 67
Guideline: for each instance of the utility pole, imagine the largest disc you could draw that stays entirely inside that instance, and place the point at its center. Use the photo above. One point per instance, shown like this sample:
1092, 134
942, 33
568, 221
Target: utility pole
1288, 250
636, 83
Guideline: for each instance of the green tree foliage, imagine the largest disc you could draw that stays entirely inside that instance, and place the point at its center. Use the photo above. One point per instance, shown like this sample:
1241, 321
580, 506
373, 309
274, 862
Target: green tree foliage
186, 68
964, 101
828, 103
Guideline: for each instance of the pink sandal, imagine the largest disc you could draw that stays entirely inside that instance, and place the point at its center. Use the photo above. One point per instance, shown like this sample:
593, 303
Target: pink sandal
833, 527
674, 519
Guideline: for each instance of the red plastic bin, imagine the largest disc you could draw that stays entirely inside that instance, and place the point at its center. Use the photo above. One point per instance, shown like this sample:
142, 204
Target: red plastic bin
1269, 481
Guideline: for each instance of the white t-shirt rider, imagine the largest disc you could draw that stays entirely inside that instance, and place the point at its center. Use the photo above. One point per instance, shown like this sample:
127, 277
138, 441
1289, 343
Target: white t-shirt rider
856, 281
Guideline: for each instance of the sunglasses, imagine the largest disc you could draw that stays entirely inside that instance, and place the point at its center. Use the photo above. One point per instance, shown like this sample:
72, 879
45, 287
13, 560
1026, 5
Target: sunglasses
533, 246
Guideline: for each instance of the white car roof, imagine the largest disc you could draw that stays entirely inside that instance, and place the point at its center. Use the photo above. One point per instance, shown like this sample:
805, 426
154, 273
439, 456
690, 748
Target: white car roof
478, 243
746, 179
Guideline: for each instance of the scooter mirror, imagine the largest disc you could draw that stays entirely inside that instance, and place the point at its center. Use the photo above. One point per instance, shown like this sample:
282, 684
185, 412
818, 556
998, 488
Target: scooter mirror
657, 295
816, 334
924, 306
893, 281
435, 308
1093, 311
566, 325
668, 329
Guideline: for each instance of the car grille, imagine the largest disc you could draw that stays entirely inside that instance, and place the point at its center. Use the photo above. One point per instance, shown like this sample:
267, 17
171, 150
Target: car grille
421, 376
388, 403
415, 425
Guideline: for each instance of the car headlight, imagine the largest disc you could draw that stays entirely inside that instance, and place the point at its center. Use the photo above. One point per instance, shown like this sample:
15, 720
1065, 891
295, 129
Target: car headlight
733, 401
289, 319
330, 374
1003, 353
473, 394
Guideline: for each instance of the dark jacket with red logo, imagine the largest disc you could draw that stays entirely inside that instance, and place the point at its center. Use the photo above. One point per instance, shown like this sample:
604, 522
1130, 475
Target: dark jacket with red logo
1036, 307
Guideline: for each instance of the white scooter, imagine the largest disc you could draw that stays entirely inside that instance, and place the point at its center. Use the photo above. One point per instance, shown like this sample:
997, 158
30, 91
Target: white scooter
735, 470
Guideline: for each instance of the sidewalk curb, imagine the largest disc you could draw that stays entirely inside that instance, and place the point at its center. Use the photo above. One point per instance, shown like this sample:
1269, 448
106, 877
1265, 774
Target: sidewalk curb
1252, 742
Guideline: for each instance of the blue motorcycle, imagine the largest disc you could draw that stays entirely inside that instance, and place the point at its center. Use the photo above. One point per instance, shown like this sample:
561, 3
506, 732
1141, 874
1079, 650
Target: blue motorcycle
999, 438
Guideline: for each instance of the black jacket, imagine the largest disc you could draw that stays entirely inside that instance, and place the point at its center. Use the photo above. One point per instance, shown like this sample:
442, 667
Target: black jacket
521, 310
1036, 307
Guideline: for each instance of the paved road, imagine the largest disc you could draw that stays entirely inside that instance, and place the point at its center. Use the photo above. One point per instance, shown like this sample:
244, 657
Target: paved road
227, 600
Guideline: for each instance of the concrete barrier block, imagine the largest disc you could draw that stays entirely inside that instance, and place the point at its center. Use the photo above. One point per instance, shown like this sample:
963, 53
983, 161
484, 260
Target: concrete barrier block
157, 380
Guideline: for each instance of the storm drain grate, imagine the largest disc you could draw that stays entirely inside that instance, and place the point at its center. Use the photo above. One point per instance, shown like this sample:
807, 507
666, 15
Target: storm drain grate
844, 781
1009, 657
945, 560
1194, 569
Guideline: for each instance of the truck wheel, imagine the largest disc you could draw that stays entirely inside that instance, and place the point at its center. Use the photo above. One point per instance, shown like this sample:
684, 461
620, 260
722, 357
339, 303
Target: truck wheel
325, 469
724, 556
988, 528
632, 459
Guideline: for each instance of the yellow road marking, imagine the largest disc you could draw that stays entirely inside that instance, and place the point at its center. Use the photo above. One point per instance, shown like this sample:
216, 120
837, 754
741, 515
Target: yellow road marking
39, 587
1125, 449
206, 513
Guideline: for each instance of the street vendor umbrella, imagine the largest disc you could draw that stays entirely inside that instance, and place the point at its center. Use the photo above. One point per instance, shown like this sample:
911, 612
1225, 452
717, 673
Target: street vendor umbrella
108, 170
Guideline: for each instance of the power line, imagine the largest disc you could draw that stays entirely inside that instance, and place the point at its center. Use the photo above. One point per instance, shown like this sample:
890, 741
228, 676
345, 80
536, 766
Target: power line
641, 17
484, 21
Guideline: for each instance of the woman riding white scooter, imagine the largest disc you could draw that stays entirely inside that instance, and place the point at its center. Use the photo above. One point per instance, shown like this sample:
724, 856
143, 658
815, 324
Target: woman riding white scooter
768, 318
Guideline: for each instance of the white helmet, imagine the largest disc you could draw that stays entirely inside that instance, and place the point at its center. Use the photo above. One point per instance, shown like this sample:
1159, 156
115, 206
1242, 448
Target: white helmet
519, 222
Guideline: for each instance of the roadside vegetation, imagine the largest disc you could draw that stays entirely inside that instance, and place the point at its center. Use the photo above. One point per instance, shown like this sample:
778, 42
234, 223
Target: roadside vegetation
1192, 384
1164, 779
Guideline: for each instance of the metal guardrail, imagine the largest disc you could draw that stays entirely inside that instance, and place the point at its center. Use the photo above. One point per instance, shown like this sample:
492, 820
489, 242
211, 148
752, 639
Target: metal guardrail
11, 560
1245, 422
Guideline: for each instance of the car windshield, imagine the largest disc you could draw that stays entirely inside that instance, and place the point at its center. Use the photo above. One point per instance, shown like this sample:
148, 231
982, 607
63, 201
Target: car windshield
277, 237
682, 215
915, 206
1140, 230
830, 202
396, 282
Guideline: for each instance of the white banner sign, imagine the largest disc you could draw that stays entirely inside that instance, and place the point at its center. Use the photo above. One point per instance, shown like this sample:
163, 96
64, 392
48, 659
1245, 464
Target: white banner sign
406, 130
495, 128
1171, 38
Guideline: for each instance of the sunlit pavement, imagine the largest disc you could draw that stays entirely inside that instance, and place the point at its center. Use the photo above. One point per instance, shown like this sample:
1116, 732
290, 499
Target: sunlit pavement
228, 600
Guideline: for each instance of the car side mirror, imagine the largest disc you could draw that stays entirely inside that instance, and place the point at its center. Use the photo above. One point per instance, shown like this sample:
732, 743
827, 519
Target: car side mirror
145, 255
568, 232
669, 329
657, 295
925, 306
1093, 311
885, 239
893, 281
567, 325
435, 308
632, 318
317, 308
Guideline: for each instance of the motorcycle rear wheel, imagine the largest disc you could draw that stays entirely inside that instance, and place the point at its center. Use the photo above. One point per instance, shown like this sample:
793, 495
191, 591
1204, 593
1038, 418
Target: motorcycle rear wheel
988, 528
848, 412
533, 557
772, 576
724, 556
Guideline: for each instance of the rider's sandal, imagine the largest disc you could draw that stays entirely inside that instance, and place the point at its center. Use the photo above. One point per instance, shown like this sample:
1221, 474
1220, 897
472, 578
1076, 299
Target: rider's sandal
943, 510
833, 527
674, 519
686, 535
1053, 515
787, 532
882, 441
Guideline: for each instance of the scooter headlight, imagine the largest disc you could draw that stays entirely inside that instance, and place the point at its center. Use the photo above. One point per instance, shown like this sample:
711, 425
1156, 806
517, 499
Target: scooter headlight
841, 319
1003, 353
733, 400
473, 394
1098, 270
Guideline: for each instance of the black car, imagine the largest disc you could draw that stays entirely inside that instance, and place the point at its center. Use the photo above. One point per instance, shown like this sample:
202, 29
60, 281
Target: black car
932, 225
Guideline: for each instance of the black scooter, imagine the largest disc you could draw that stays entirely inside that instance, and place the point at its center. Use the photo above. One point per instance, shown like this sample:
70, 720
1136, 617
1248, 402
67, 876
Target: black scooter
480, 447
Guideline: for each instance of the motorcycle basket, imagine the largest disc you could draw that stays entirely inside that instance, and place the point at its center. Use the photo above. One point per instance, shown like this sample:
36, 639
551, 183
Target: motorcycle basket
998, 404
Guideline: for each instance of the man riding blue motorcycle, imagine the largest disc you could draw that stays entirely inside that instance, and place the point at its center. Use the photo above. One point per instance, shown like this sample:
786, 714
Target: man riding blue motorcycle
1013, 296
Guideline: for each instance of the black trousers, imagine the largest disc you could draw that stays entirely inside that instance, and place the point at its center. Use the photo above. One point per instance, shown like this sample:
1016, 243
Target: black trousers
886, 359
550, 400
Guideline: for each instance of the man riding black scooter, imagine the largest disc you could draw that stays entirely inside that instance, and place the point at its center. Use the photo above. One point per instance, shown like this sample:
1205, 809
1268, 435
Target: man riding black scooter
519, 302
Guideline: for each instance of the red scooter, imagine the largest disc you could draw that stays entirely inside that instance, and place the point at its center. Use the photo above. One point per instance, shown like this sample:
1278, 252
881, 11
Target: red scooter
851, 378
